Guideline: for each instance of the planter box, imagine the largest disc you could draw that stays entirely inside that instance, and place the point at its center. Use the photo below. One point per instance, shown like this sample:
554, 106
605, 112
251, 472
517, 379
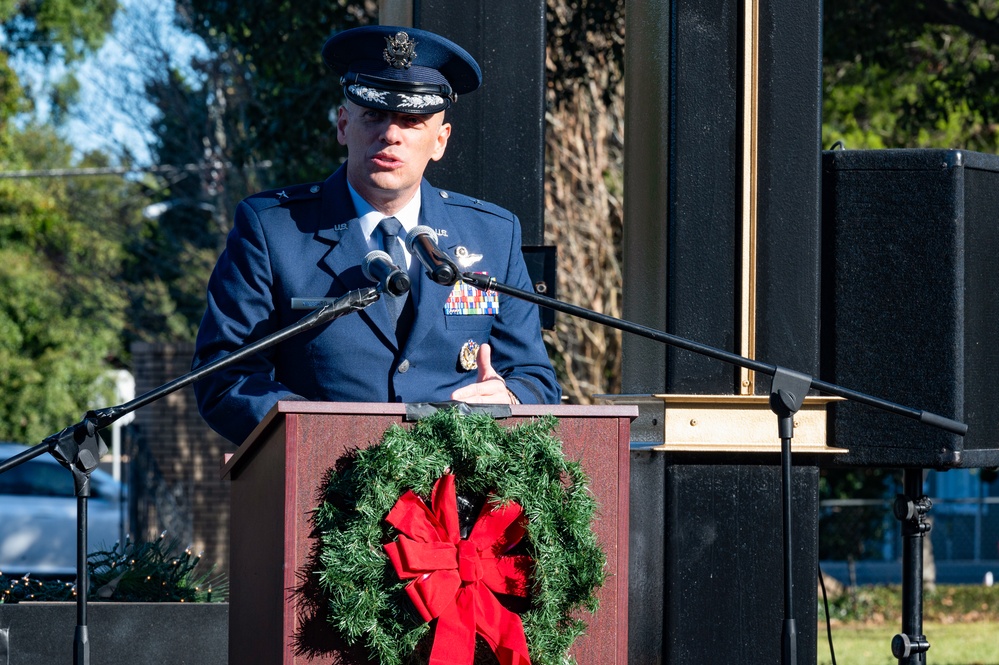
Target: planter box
120, 633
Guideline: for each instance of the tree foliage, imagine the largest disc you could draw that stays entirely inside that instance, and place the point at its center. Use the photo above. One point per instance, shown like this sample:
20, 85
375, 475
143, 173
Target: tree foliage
277, 94
61, 310
50, 32
64, 30
584, 186
911, 74
171, 252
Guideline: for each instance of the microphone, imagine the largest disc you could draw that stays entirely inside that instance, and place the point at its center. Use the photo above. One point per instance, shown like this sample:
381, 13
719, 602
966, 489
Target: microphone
422, 243
378, 267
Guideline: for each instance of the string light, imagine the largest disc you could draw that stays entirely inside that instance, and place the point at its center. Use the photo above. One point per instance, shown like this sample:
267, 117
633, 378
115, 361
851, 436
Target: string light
124, 573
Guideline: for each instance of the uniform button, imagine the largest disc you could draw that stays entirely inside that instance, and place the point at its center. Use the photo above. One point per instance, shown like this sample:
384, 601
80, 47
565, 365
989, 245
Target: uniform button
314, 189
404, 367
444, 195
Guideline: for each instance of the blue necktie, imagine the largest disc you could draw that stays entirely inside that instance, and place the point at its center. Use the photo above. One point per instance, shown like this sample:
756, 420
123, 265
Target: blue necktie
391, 228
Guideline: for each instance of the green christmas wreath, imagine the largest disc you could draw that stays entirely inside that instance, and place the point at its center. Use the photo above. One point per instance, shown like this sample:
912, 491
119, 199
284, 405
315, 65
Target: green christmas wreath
366, 602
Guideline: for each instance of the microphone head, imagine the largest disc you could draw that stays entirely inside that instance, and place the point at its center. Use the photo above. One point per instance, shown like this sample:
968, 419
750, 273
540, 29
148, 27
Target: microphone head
378, 267
371, 257
445, 274
397, 284
420, 231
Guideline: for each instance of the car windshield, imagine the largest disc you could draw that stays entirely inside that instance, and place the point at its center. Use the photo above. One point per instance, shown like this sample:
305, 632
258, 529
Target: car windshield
37, 479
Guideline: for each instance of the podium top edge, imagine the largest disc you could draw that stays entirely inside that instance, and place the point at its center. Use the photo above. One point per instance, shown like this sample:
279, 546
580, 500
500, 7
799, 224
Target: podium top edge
293, 407
399, 408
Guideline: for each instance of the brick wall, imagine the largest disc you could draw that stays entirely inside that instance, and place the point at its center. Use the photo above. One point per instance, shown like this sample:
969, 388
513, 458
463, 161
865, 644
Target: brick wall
189, 456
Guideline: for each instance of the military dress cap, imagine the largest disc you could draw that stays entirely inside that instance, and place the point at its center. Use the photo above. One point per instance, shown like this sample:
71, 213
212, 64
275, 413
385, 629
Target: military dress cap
404, 70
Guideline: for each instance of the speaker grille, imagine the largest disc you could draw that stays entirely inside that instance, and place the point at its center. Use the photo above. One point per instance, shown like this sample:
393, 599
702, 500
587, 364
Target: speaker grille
910, 281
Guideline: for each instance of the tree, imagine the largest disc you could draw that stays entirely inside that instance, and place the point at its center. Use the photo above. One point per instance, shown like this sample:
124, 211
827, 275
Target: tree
60, 308
171, 252
584, 186
925, 77
55, 31
277, 96
61, 311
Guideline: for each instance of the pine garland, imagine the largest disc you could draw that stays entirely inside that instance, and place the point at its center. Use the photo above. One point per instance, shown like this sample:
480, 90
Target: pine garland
366, 602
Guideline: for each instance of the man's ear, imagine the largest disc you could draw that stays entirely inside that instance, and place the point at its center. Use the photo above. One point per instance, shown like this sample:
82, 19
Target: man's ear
443, 134
342, 118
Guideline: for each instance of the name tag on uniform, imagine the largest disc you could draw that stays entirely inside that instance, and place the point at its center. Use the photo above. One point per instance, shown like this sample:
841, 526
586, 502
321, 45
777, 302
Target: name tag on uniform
465, 299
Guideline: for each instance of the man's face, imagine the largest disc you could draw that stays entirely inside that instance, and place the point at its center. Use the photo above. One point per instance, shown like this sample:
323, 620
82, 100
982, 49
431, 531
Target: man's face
388, 152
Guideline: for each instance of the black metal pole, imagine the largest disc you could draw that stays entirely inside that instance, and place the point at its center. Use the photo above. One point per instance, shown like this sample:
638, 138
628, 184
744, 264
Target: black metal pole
787, 394
789, 632
81, 638
910, 646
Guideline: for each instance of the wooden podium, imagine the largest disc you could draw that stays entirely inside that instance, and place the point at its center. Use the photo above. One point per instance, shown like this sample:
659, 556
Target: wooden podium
276, 477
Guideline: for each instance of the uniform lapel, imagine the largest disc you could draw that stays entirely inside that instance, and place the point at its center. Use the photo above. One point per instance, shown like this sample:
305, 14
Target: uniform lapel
349, 249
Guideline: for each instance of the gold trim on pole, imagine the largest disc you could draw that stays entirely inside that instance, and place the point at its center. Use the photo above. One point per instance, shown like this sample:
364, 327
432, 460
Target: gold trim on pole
726, 424
750, 87
706, 423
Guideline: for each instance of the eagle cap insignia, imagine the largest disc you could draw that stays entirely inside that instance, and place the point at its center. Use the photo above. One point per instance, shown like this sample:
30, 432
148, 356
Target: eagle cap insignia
400, 50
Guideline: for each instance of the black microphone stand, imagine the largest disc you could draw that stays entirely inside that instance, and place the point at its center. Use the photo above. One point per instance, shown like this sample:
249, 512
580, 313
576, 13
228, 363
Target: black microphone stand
910, 508
79, 448
787, 394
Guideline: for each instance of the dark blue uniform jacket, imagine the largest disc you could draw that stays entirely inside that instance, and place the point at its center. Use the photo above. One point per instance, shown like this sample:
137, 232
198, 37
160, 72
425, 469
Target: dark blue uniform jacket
305, 242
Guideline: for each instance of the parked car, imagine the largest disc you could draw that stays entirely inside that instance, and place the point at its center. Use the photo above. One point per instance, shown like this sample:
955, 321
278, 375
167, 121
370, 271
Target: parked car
38, 515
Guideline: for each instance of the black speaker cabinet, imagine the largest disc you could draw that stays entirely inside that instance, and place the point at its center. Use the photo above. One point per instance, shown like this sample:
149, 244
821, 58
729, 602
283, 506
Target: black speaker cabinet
910, 306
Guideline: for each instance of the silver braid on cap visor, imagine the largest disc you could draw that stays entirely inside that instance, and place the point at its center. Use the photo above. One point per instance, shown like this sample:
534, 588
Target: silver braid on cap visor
417, 102
369, 94
440, 90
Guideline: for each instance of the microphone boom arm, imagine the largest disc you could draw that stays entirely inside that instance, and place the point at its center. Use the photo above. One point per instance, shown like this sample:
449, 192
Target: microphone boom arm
79, 449
352, 301
487, 283
96, 420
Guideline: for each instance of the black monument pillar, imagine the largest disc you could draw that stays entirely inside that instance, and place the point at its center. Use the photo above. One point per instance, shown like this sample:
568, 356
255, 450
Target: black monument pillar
498, 145
722, 246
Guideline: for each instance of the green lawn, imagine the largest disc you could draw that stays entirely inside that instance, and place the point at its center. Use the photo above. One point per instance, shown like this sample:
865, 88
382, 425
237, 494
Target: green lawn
950, 644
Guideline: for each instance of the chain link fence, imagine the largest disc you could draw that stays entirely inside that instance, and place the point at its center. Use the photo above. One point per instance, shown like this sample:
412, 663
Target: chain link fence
962, 546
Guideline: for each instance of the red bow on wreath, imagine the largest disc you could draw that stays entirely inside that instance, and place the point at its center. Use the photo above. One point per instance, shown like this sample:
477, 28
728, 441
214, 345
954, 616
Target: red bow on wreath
454, 579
